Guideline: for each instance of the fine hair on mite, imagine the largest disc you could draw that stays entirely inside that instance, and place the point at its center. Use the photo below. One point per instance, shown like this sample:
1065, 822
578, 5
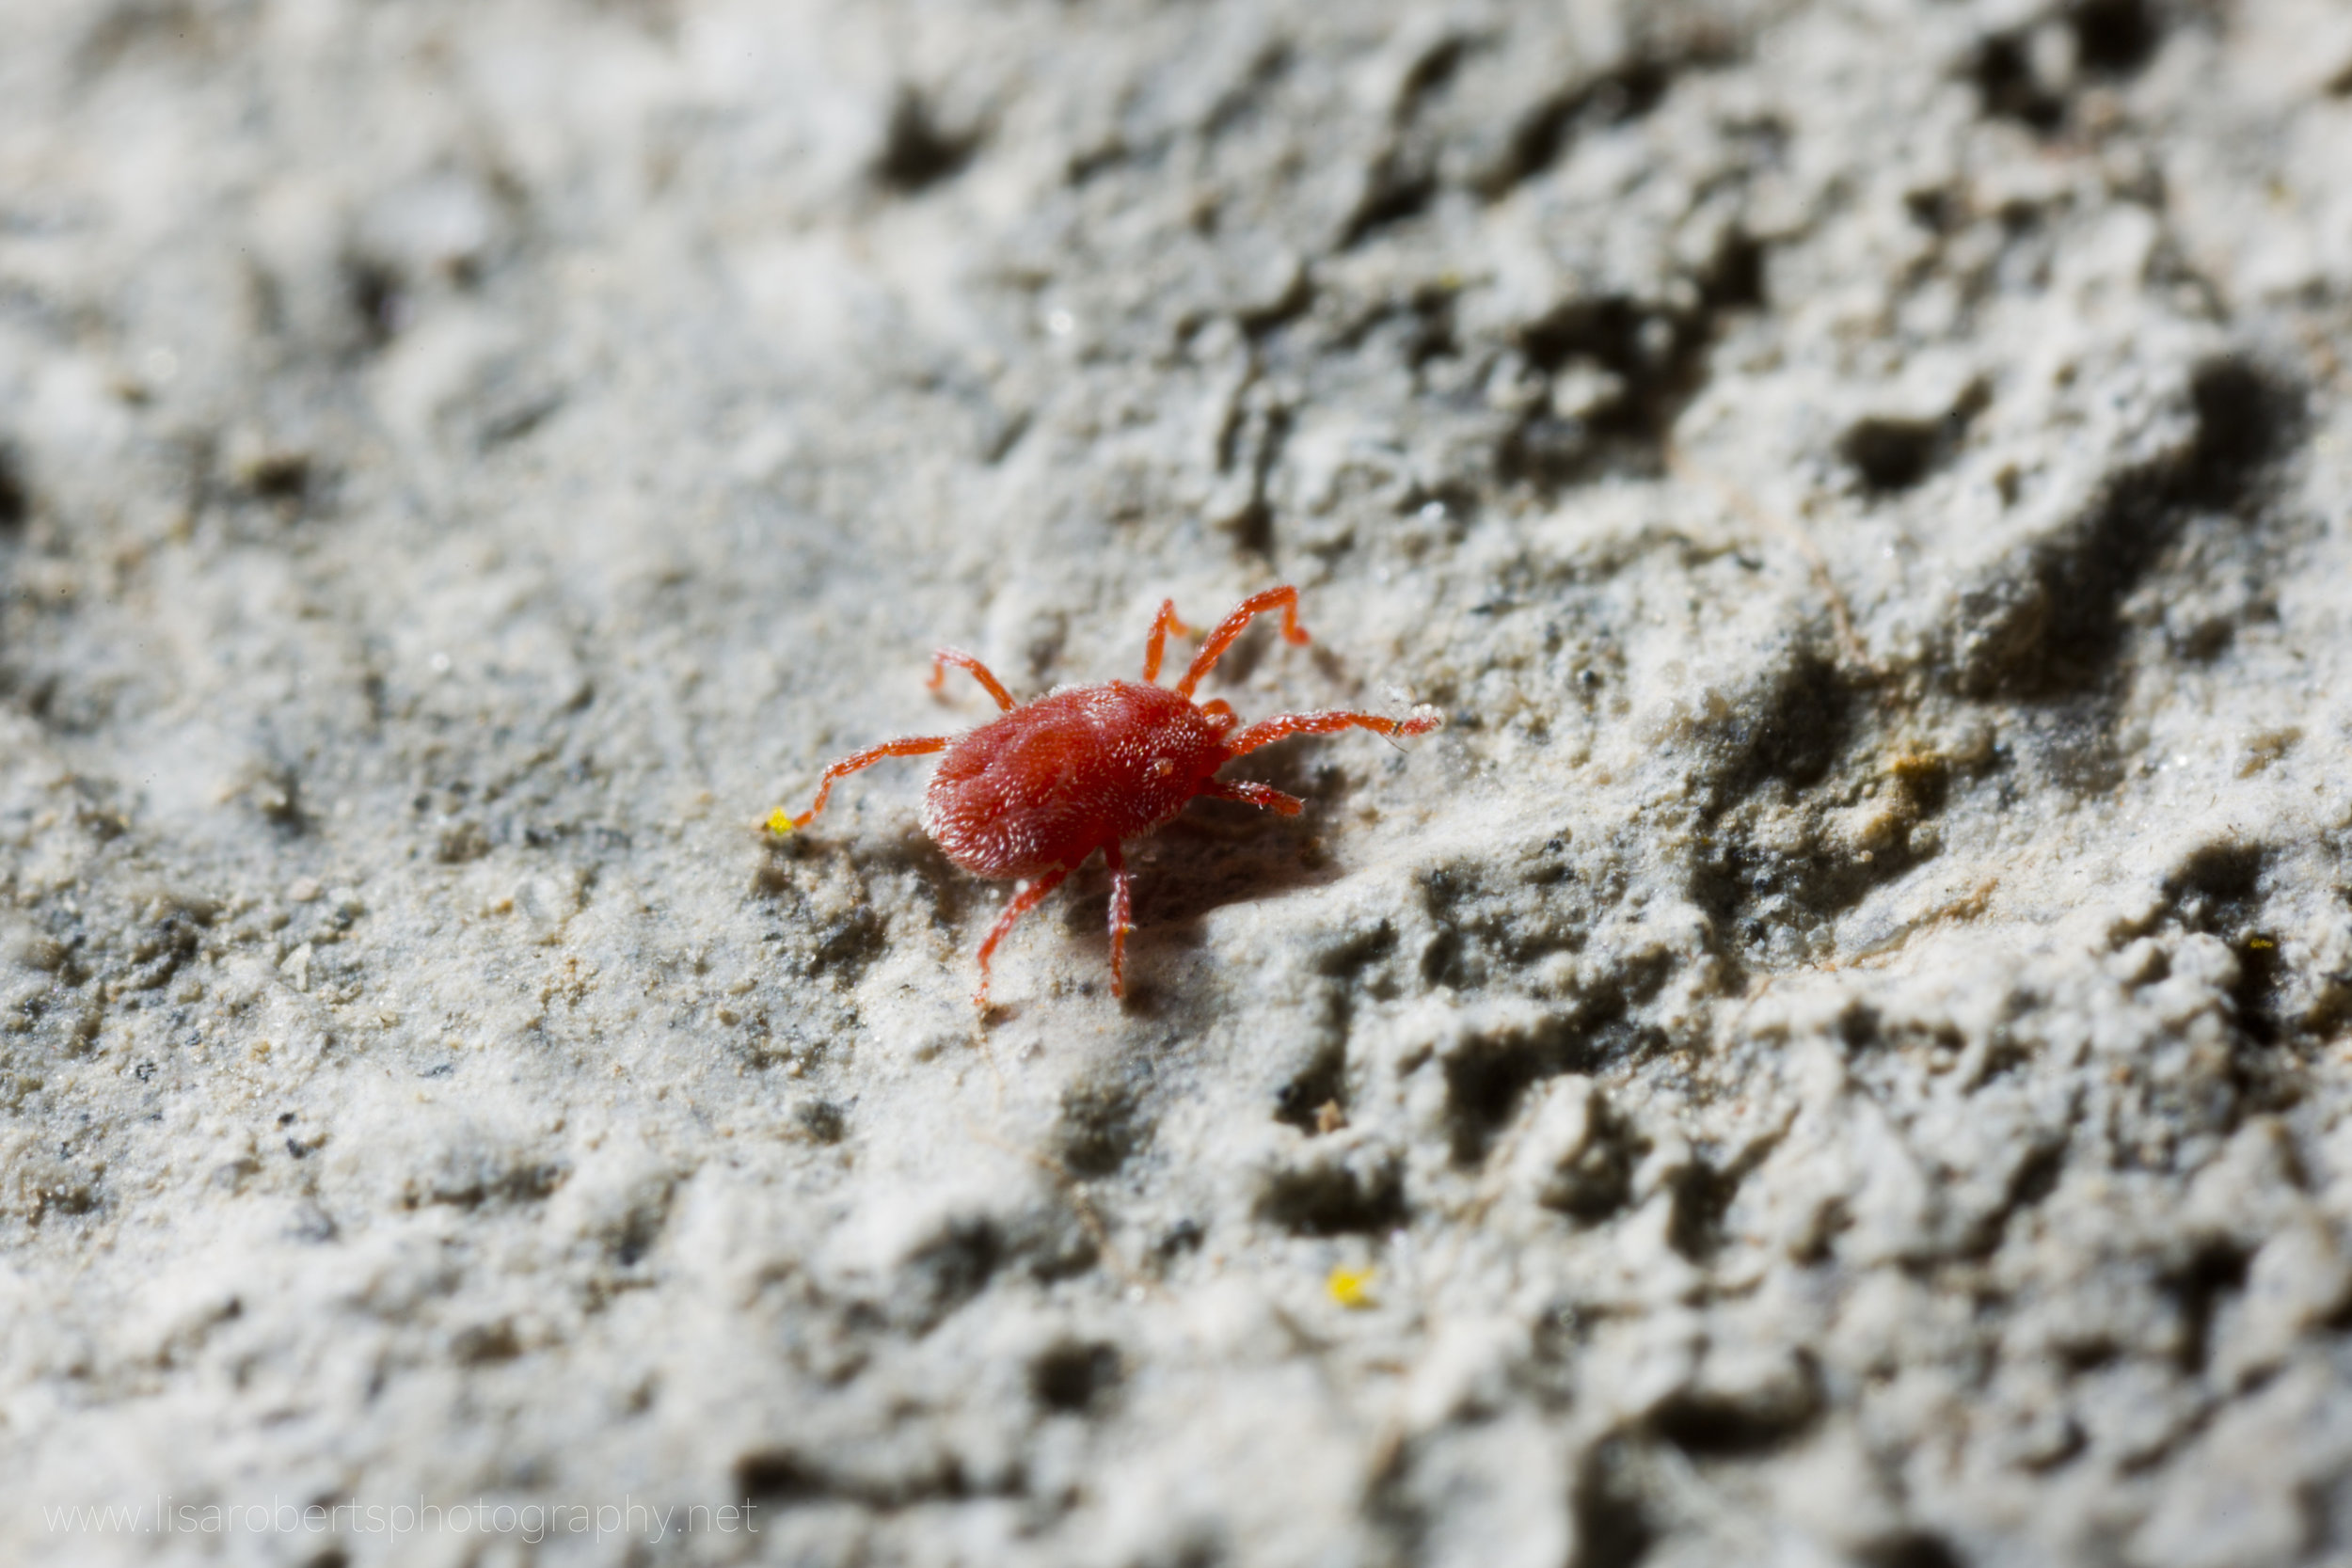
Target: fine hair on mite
1032, 793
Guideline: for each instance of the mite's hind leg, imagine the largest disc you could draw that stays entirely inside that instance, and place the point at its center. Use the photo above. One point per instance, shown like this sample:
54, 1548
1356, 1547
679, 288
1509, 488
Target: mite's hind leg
1284, 598
1023, 902
1123, 908
962, 660
1255, 794
1265, 731
913, 746
1157, 644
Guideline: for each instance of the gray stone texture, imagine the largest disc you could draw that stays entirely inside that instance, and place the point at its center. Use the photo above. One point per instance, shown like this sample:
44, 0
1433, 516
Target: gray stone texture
1838, 1053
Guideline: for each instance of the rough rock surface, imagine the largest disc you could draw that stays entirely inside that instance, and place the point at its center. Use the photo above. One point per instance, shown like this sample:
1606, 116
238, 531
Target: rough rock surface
1838, 1053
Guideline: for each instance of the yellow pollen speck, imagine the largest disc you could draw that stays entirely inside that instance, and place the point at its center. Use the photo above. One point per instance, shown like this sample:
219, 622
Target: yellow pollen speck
2259, 945
779, 821
1350, 1288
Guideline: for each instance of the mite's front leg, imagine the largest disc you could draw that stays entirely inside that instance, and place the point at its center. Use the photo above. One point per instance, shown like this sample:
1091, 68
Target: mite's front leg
1023, 902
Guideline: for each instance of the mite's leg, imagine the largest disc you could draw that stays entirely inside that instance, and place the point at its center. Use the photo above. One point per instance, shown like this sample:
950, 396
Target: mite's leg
1265, 731
912, 747
957, 657
1230, 627
1023, 902
1157, 644
1122, 906
1255, 794
1217, 711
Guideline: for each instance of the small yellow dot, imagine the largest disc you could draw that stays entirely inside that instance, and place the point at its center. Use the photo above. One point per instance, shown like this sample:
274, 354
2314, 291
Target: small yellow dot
779, 821
2259, 945
1350, 1288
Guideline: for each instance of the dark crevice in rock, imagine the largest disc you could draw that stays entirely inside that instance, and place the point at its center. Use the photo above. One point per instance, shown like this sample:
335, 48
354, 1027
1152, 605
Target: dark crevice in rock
1613, 1528
2218, 892
1889, 452
953, 1266
1334, 1197
1488, 1075
1893, 454
2216, 889
1317, 1092
2115, 37
2111, 38
1799, 745
377, 297
916, 152
2035, 1179
2053, 624
1913, 1549
1703, 1195
2216, 1270
1718, 1427
2007, 87
1102, 1124
1651, 362
789, 1478
1433, 70
1399, 186
15, 497
1792, 737
1247, 97
1622, 95
1075, 1376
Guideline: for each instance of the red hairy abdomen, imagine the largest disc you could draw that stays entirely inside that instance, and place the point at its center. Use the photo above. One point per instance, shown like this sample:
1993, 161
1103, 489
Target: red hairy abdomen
1054, 780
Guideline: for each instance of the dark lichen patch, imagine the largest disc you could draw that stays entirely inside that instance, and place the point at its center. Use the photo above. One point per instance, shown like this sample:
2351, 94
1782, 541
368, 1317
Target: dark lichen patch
821, 1120
482, 1344
848, 944
469, 1182
462, 843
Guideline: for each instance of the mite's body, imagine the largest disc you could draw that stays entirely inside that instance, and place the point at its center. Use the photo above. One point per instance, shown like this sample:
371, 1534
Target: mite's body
1033, 793
1054, 780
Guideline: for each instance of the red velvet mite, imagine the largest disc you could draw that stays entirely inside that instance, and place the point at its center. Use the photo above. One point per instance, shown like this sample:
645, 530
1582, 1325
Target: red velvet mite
1032, 794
